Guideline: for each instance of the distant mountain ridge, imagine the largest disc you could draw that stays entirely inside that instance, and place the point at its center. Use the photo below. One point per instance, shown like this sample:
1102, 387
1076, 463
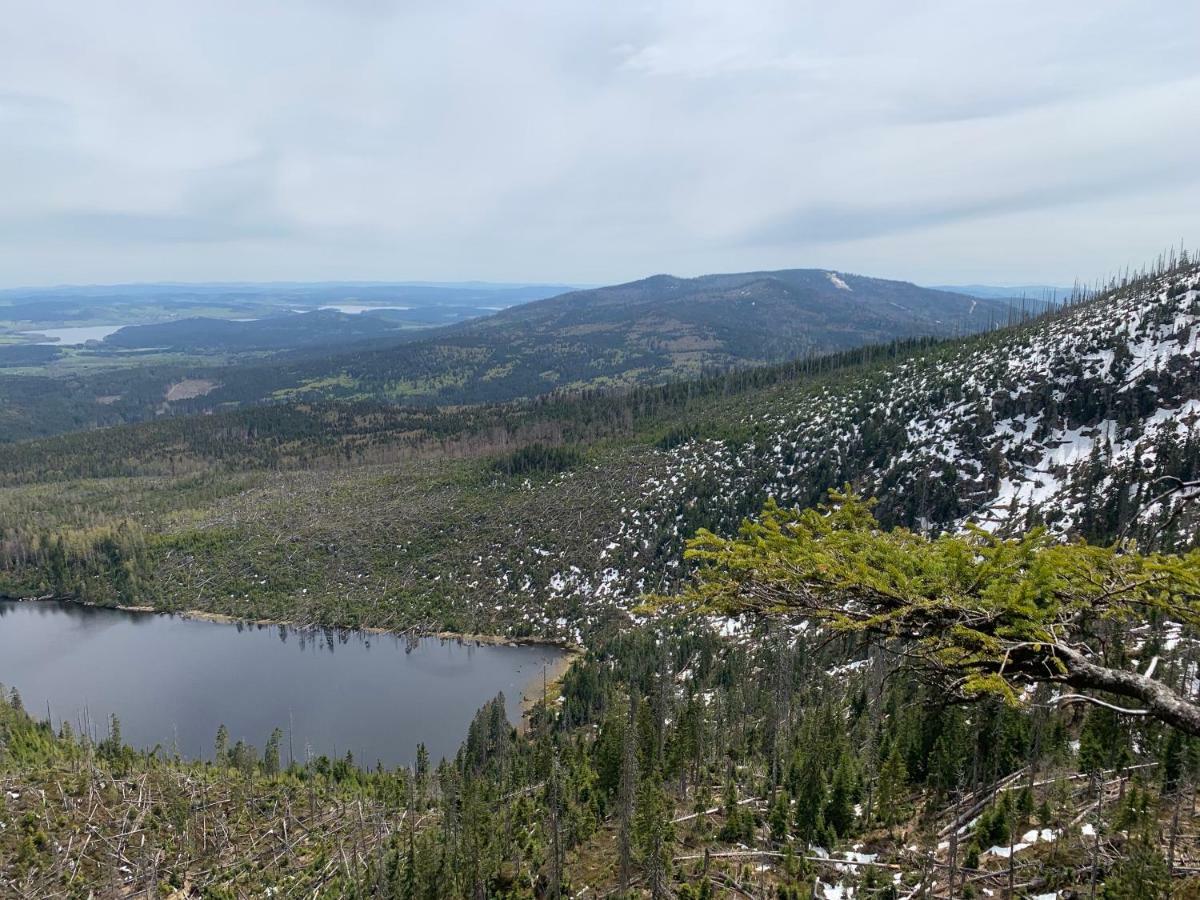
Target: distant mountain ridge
657, 329
801, 310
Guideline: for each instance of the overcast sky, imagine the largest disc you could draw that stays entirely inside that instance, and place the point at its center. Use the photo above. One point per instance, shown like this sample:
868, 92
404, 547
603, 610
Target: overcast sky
594, 142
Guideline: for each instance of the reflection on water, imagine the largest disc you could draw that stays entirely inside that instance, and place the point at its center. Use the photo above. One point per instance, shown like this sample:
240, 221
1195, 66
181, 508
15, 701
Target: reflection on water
173, 681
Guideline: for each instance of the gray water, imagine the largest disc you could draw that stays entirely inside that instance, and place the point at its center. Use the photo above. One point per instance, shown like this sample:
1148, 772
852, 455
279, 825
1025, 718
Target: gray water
75, 336
173, 681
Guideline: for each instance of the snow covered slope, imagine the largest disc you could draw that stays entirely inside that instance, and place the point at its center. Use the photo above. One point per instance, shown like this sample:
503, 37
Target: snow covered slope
1078, 422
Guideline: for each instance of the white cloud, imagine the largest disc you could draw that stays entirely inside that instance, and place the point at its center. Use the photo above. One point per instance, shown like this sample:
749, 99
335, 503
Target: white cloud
593, 142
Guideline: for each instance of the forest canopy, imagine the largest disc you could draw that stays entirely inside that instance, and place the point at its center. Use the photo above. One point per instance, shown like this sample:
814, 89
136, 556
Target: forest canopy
984, 615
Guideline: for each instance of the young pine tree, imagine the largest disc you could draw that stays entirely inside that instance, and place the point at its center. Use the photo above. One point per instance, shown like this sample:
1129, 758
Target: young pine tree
839, 811
655, 836
810, 804
893, 781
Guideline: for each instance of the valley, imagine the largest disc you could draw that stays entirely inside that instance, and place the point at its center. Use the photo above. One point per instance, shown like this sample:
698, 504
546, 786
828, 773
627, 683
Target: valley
771, 754
72, 331
651, 331
350, 516
628, 451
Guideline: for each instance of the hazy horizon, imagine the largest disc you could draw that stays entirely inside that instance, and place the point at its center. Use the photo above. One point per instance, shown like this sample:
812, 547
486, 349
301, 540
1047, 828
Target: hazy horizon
469, 282
322, 141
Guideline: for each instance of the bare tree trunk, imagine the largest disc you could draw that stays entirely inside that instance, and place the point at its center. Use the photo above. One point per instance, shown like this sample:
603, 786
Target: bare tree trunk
628, 791
1174, 836
1096, 844
954, 841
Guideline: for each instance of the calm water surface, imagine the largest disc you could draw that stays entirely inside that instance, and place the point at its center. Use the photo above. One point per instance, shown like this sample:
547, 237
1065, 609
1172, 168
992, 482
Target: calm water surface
354, 309
76, 336
173, 681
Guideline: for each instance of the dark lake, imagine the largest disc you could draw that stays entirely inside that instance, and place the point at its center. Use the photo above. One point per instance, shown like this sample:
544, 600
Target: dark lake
173, 681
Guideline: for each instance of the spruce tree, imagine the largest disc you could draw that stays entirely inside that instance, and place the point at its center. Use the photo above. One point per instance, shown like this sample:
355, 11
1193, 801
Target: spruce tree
655, 836
893, 781
839, 811
810, 804
271, 753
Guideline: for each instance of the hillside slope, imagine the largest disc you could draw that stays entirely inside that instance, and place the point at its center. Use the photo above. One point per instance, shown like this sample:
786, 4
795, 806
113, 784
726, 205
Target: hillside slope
281, 332
723, 320
648, 331
1081, 422
356, 514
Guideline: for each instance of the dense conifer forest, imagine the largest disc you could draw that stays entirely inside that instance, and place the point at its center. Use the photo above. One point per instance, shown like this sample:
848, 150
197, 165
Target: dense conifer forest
675, 762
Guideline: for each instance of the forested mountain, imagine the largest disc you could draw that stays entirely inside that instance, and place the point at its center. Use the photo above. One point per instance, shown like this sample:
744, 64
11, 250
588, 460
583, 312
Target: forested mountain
716, 321
694, 757
648, 331
286, 332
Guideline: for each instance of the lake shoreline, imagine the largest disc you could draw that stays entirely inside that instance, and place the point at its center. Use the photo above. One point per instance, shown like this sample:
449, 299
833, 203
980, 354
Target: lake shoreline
532, 640
549, 684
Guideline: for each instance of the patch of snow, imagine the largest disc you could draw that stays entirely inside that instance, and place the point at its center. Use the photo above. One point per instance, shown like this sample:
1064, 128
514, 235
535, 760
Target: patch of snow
1003, 852
835, 891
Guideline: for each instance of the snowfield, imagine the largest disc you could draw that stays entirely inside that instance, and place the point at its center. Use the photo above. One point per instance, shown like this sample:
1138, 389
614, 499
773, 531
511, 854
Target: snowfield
1061, 422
